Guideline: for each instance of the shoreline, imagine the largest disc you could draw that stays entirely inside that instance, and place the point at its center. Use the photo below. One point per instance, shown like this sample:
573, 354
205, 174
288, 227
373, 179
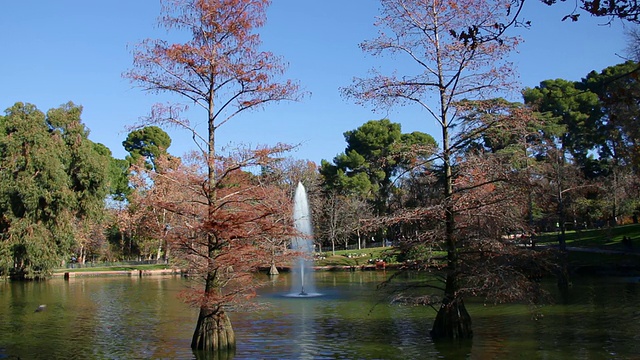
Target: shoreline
141, 273
580, 270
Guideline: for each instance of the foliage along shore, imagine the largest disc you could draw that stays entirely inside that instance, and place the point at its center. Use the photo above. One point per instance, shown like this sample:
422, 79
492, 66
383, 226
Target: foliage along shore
591, 252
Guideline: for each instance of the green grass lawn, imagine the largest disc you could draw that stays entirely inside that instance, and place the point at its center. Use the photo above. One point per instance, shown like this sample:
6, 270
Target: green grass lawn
605, 238
352, 257
601, 239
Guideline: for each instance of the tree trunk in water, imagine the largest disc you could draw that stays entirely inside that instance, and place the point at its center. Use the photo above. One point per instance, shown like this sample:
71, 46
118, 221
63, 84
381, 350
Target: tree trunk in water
452, 322
213, 332
273, 270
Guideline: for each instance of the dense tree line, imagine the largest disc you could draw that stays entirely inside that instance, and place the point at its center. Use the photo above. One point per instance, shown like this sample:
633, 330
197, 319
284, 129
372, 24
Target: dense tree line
581, 141
590, 132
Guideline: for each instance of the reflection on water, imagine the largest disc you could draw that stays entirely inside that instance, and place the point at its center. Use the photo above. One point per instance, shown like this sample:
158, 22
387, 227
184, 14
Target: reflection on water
94, 318
142, 318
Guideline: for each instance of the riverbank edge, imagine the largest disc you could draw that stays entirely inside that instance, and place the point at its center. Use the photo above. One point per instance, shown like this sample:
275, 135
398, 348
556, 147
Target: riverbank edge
180, 272
582, 271
593, 270
70, 274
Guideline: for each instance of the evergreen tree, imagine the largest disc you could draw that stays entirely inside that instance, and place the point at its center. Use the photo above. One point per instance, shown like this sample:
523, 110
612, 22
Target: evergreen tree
52, 187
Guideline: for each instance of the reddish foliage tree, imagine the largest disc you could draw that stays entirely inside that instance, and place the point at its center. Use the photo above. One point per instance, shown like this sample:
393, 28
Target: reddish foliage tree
221, 70
140, 221
489, 204
221, 244
458, 49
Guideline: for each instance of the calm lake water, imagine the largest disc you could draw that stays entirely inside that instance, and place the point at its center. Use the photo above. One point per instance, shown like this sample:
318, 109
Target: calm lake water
143, 318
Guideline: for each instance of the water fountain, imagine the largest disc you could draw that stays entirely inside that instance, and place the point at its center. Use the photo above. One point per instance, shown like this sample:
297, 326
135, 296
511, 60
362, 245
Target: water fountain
302, 283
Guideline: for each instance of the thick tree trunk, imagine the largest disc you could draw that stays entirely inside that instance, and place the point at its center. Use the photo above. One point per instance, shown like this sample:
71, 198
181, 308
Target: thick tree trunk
273, 270
213, 332
452, 322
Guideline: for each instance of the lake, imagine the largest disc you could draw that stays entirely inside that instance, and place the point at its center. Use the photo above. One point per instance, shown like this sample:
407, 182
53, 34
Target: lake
143, 318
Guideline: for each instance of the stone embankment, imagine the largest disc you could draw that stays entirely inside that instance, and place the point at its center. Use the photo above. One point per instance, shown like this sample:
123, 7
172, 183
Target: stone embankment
139, 273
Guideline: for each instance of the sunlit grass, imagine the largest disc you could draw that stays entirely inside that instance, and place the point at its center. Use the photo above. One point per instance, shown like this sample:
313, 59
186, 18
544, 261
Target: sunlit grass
352, 257
604, 238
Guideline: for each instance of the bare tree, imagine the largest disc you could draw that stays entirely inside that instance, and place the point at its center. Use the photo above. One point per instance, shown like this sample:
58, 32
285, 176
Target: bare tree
340, 218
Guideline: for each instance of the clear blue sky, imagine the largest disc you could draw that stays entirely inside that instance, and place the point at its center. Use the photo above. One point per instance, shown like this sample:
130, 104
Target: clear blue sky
55, 51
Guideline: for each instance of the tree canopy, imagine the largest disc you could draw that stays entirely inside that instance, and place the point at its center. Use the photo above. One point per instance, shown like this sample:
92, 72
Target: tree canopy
54, 183
149, 143
375, 153
596, 115
591, 142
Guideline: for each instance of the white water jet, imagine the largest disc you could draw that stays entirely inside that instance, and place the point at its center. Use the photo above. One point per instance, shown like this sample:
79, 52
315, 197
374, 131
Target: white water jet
302, 281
